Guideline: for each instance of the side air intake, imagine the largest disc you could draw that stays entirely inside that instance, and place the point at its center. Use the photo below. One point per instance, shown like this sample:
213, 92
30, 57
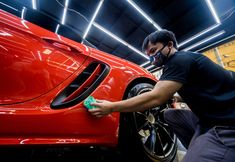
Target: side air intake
82, 86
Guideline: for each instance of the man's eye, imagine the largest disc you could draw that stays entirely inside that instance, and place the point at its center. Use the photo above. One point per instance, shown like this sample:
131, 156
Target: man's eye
152, 50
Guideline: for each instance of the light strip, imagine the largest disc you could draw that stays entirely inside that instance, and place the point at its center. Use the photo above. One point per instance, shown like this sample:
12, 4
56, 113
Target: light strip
137, 51
23, 12
216, 43
198, 35
8, 6
57, 28
155, 69
109, 33
217, 20
212, 9
65, 11
145, 63
93, 18
144, 14
204, 40
151, 66
34, 4
119, 39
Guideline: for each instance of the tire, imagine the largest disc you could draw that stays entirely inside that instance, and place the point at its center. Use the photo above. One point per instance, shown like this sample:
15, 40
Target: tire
144, 136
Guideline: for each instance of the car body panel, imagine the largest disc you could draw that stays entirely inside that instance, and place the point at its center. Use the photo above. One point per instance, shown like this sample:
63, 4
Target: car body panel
32, 62
26, 116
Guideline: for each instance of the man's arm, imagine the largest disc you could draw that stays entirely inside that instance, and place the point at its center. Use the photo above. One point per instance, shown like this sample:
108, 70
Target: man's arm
161, 93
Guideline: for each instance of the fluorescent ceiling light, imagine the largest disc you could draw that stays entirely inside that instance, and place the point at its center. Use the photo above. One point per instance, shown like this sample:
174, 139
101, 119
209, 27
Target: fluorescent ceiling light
137, 51
213, 11
8, 6
155, 70
57, 28
93, 18
216, 43
110, 34
34, 4
198, 35
119, 39
65, 11
204, 40
151, 66
23, 13
217, 20
147, 62
144, 14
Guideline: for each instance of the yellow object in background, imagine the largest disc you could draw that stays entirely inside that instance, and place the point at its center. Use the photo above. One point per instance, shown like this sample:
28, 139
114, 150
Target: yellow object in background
223, 55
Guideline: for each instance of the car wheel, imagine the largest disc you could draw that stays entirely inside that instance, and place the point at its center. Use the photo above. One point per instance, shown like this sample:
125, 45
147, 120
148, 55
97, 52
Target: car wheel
145, 134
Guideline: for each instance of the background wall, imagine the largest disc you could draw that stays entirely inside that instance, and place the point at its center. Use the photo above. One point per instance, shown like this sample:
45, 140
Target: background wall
223, 55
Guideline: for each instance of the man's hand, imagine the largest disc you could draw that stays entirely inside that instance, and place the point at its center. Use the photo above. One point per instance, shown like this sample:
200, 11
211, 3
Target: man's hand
103, 108
177, 98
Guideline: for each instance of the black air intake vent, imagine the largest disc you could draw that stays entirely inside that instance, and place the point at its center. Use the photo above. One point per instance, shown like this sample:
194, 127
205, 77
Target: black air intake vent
82, 86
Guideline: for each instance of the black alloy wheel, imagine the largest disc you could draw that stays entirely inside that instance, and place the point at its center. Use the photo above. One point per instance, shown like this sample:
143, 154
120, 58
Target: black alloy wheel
152, 136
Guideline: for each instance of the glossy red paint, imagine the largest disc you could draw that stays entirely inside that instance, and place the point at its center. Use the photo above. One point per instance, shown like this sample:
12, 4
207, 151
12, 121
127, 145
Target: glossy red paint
35, 66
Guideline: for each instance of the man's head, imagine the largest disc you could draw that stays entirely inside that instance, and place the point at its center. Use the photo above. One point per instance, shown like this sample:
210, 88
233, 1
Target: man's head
158, 45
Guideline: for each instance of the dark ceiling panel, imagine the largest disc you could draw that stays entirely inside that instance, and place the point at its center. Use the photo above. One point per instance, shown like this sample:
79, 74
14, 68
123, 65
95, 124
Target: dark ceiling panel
135, 58
85, 7
108, 15
97, 37
123, 27
194, 21
122, 51
76, 21
136, 38
105, 48
49, 6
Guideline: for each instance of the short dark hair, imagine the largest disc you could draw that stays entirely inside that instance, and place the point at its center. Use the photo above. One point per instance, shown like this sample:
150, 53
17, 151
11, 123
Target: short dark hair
161, 36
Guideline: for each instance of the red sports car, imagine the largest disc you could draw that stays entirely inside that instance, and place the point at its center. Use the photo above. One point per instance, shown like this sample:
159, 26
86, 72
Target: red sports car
44, 79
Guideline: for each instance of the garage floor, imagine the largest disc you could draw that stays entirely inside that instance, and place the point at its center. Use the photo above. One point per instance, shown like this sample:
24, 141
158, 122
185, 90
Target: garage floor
69, 154
180, 152
65, 154
179, 156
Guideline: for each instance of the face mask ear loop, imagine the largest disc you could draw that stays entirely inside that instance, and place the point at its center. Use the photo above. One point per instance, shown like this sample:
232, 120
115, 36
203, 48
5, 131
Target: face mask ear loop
168, 53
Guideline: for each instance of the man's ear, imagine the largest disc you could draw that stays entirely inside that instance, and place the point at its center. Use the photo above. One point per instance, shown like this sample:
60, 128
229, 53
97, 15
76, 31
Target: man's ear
170, 44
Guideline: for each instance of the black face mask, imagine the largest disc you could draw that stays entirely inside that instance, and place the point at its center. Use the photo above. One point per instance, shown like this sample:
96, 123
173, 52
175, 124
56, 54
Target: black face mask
158, 59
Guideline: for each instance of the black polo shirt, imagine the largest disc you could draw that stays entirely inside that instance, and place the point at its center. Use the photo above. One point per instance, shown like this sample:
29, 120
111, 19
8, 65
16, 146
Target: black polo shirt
208, 89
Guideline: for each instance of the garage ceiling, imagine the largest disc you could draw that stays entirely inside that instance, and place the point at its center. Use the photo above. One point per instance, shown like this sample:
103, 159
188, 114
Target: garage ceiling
186, 18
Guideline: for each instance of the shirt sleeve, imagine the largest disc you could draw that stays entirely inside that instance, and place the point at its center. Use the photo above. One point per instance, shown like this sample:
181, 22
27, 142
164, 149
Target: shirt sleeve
178, 69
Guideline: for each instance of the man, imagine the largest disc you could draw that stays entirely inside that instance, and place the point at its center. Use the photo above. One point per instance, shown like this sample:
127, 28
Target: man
208, 129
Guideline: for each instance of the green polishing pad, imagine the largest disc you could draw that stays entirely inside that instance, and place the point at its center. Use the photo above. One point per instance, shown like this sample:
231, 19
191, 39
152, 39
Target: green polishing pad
87, 102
